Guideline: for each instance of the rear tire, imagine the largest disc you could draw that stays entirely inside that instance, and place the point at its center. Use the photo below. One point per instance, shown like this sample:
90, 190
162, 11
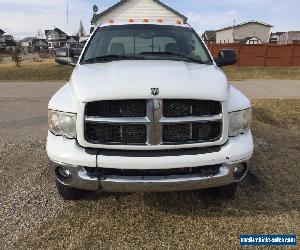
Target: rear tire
228, 191
69, 193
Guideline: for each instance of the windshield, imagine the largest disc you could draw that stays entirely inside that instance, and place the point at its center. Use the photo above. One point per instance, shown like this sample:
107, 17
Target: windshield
145, 42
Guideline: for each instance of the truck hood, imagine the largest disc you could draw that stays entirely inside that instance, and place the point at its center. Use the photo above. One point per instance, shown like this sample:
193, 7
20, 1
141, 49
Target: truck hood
134, 80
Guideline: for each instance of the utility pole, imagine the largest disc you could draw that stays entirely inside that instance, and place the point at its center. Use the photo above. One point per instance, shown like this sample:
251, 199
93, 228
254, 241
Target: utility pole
67, 11
233, 30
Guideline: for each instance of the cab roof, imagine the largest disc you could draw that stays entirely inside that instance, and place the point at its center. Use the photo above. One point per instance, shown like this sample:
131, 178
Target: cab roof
158, 22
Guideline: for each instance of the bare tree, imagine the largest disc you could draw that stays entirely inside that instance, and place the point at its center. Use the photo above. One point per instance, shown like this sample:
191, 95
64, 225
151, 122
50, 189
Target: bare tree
39, 34
15, 56
81, 30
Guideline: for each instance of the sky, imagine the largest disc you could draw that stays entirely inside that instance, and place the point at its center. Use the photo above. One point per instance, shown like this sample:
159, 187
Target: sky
23, 18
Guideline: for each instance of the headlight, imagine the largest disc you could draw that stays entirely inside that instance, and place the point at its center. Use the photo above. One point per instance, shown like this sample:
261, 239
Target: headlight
63, 124
239, 122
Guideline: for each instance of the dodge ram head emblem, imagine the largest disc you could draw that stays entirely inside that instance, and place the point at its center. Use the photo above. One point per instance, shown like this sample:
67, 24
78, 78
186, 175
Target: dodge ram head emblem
155, 91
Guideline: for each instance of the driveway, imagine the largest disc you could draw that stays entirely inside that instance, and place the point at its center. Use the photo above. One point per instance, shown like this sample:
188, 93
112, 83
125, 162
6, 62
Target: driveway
263, 89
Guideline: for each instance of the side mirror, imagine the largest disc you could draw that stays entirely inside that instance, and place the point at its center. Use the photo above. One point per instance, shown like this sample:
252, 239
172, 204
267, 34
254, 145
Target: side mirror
65, 56
226, 57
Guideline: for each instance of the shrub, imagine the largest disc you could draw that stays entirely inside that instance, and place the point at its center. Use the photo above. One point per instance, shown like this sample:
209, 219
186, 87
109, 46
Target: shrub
15, 57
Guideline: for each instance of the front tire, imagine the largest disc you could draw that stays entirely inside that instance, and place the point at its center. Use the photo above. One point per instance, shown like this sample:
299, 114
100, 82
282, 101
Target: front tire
69, 193
228, 191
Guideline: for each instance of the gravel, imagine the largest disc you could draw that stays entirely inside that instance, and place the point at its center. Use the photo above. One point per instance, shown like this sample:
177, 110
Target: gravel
33, 216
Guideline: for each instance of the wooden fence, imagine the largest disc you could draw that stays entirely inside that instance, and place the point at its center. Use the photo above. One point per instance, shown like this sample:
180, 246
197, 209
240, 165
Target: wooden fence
264, 55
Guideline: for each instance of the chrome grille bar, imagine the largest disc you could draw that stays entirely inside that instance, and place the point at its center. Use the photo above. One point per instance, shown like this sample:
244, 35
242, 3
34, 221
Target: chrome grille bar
191, 119
154, 128
126, 120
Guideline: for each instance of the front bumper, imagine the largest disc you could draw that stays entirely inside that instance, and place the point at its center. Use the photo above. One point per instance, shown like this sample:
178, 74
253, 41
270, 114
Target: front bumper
82, 180
67, 153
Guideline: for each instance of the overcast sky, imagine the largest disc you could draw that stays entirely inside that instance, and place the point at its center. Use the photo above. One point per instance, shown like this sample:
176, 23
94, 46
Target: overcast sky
23, 18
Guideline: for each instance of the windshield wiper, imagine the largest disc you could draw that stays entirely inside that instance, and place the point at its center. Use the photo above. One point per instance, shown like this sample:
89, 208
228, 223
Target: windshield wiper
110, 58
186, 57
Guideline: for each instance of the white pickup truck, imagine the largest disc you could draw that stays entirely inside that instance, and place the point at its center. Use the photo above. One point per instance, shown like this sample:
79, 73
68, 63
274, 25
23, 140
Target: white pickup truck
147, 109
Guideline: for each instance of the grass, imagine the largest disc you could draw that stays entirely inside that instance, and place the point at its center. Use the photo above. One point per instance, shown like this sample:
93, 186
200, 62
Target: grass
262, 73
48, 70
266, 203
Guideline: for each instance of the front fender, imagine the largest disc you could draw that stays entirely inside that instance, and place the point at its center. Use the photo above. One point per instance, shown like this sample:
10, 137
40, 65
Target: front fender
64, 100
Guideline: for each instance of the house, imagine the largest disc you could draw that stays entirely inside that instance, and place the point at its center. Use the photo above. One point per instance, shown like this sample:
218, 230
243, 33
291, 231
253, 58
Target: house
260, 32
27, 44
138, 10
250, 40
10, 44
2, 40
56, 38
40, 45
274, 37
290, 37
209, 36
33, 44
72, 40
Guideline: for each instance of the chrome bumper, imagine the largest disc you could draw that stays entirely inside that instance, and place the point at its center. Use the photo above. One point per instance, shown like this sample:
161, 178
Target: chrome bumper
80, 179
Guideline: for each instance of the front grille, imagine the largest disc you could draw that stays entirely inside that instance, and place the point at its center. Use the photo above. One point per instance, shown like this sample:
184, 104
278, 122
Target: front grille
153, 122
126, 108
178, 108
192, 132
116, 134
201, 171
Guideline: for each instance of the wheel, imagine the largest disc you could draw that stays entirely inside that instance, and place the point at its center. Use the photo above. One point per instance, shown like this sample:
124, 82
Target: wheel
69, 193
228, 191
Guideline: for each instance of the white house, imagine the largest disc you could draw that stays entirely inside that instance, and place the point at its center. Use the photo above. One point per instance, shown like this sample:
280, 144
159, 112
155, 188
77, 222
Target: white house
27, 43
138, 10
274, 37
252, 32
56, 38
290, 37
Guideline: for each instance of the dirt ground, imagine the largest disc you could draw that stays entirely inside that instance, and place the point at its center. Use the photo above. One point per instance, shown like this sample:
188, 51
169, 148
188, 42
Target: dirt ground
33, 216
